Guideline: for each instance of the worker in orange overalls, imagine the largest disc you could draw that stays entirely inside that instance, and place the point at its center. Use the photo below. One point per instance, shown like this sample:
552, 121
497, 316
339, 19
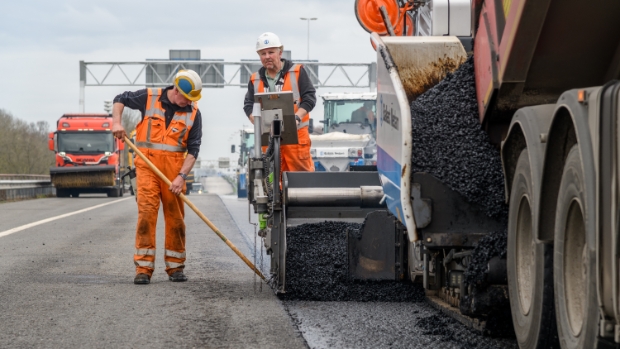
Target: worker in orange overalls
169, 135
278, 74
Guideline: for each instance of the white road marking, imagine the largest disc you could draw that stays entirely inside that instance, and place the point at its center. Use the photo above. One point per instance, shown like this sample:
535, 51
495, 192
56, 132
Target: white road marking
30, 225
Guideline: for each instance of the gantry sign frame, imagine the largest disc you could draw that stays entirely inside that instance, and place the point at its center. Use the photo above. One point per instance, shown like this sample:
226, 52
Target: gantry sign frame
213, 74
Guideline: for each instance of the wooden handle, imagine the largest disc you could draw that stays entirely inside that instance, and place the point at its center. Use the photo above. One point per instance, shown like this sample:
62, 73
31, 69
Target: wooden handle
195, 209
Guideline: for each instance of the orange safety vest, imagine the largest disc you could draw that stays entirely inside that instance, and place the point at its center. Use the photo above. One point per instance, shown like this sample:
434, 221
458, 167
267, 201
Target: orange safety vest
151, 132
290, 84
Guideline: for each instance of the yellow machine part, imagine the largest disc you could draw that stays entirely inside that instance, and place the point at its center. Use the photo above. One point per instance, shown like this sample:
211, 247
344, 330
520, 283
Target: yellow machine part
83, 179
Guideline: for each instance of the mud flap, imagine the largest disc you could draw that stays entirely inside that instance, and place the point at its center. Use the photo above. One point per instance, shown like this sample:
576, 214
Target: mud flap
377, 250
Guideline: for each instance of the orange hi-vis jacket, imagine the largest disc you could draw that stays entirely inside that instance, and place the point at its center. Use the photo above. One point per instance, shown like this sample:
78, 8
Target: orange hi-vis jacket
294, 157
290, 84
151, 132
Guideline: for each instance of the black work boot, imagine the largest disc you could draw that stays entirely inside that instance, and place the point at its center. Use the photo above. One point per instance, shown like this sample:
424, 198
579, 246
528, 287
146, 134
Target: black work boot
178, 276
142, 279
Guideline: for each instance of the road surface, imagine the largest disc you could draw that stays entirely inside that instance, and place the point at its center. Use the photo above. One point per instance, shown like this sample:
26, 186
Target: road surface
67, 273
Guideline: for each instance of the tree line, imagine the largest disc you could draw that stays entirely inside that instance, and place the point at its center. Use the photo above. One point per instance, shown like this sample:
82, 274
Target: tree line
23, 146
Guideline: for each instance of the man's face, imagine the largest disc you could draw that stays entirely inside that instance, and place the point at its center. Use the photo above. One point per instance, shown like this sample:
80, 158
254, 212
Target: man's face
270, 57
179, 99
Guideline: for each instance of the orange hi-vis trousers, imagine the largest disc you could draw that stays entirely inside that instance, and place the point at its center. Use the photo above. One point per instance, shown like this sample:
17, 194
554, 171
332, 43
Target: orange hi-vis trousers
153, 191
296, 157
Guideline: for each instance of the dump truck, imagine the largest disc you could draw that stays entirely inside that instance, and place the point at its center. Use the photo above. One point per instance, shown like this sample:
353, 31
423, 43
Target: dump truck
546, 101
546, 94
87, 156
348, 138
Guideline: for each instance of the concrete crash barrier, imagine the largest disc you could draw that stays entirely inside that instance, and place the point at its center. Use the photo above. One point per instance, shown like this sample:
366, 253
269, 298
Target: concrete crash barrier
20, 187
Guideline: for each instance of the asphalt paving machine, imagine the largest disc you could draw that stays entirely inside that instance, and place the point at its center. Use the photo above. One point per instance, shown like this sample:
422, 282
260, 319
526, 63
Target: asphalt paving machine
290, 198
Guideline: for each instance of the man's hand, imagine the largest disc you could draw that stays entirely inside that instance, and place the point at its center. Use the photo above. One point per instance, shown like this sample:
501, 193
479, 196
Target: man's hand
251, 117
177, 185
118, 131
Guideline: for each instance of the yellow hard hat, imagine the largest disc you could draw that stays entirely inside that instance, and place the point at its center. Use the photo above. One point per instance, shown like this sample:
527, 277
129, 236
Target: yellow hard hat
189, 84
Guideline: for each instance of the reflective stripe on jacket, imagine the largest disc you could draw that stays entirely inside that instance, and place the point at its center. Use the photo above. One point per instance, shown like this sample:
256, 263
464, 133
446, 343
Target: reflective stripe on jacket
151, 132
290, 84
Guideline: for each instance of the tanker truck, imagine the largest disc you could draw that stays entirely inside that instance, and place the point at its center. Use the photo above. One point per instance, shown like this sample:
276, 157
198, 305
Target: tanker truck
545, 103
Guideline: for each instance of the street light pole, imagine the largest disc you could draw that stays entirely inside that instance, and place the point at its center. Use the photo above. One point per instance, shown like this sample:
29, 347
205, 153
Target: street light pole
308, 20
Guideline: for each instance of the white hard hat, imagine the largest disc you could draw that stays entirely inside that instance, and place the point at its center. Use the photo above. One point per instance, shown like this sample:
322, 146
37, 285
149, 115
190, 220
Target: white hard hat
189, 84
267, 40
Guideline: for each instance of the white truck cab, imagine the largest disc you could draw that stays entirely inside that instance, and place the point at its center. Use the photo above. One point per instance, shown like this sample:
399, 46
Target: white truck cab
349, 129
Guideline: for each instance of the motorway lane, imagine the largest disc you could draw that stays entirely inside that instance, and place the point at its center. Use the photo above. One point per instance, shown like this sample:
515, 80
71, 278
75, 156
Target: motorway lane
18, 213
69, 283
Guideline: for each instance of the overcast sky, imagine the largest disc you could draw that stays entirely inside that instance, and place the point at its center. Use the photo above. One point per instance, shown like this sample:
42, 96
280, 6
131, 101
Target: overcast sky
42, 42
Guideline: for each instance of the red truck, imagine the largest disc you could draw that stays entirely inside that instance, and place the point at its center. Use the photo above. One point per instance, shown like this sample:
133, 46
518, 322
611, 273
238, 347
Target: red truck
87, 156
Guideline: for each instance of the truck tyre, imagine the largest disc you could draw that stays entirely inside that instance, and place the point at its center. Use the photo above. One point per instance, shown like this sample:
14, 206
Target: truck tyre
113, 193
62, 193
574, 261
530, 268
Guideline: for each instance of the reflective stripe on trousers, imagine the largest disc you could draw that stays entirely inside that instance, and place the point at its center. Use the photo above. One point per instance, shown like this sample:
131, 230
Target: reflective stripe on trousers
145, 252
144, 264
173, 265
175, 254
144, 258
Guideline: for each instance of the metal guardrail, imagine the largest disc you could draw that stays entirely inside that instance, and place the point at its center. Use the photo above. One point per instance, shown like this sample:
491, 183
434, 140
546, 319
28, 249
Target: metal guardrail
11, 177
19, 187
